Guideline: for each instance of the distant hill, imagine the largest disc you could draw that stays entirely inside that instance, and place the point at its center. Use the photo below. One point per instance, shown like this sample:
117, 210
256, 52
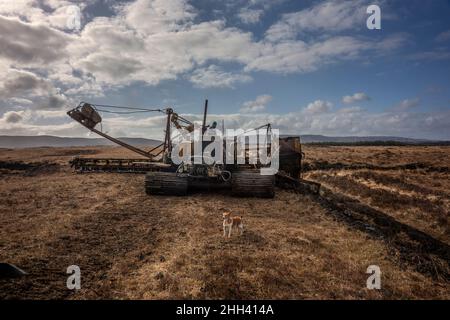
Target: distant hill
52, 141
353, 139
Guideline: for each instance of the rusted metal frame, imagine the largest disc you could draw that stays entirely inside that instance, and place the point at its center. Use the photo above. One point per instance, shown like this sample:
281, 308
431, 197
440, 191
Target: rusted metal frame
204, 116
158, 146
167, 141
117, 141
184, 119
121, 143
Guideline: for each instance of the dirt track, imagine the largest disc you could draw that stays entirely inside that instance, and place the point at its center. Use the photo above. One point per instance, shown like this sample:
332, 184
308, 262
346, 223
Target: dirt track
129, 245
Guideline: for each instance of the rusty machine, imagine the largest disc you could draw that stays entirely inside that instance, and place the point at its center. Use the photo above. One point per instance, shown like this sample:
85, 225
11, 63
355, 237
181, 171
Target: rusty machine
163, 177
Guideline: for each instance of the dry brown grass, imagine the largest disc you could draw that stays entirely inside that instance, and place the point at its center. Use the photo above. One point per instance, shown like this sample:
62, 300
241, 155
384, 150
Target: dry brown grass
129, 245
419, 198
377, 155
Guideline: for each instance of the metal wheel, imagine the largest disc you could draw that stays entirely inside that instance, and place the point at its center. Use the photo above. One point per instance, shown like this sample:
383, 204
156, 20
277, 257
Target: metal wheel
250, 183
165, 183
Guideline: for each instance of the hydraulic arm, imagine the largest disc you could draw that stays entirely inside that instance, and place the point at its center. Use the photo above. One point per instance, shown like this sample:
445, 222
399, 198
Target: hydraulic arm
87, 115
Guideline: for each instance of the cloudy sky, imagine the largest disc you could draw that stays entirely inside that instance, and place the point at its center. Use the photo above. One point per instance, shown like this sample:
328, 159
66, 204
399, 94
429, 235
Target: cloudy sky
308, 67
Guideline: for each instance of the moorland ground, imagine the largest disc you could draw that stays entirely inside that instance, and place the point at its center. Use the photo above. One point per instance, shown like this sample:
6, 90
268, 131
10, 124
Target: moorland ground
131, 245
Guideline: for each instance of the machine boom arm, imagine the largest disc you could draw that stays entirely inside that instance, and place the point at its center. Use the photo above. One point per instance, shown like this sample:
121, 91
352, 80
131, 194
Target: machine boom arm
88, 117
123, 144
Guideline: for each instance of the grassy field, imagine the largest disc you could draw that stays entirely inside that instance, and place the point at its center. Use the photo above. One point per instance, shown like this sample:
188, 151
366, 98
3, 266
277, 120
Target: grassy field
420, 197
130, 245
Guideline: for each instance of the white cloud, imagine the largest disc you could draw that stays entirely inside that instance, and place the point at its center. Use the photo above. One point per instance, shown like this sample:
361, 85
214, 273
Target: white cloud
162, 42
155, 57
443, 36
319, 106
407, 104
250, 16
64, 129
215, 77
43, 65
351, 110
156, 16
19, 83
54, 13
434, 55
257, 105
50, 114
20, 101
361, 123
151, 41
13, 116
31, 44
295, 56
55, 101
357, 97
20, 86
328, 16
251, 12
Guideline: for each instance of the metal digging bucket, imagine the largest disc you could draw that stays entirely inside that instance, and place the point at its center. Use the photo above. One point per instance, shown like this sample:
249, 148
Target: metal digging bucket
91, 117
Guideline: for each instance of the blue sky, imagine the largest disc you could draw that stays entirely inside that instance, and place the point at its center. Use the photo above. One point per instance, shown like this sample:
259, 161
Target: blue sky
308, 67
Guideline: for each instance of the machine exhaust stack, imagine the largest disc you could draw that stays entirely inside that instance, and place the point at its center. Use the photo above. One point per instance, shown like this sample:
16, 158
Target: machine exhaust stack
204, 116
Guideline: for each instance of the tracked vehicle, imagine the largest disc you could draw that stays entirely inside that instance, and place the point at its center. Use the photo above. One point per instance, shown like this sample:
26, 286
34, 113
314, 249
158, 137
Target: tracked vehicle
164, 177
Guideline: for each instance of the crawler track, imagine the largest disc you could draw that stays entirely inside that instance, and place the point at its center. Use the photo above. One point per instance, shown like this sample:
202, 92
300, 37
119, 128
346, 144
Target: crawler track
165, 183
82, 165
252, 183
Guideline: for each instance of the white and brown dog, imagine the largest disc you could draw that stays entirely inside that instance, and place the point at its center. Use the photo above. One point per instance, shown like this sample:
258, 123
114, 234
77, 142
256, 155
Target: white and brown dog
230, 222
